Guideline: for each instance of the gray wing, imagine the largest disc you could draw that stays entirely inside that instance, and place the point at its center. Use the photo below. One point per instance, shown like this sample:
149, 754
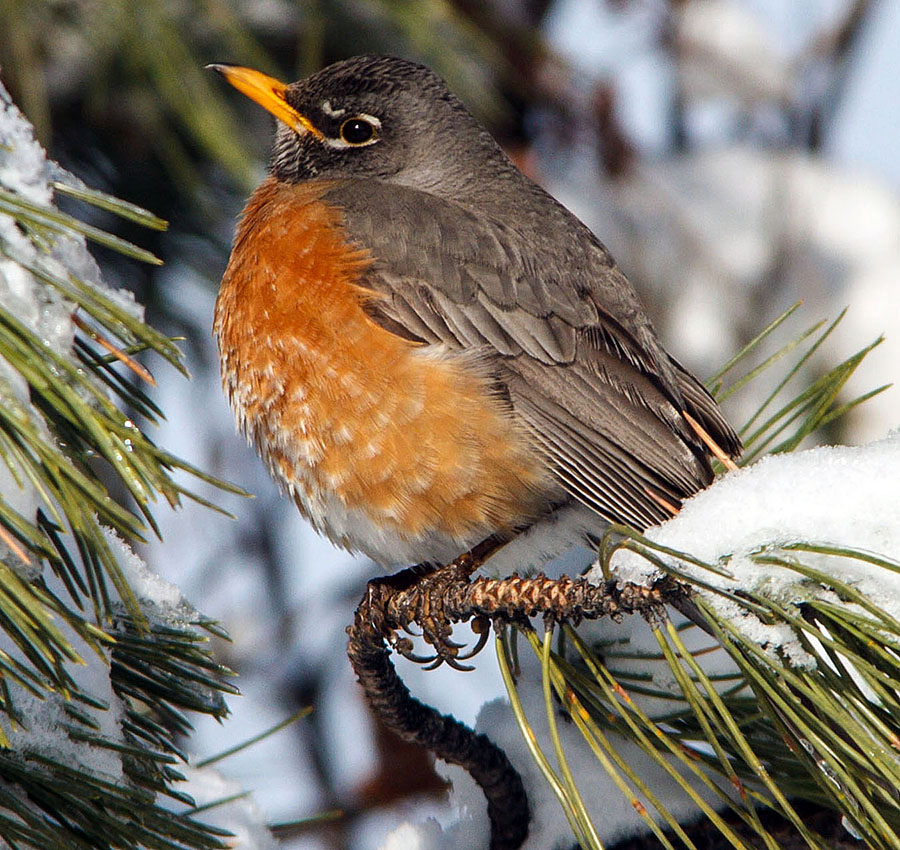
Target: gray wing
572, 346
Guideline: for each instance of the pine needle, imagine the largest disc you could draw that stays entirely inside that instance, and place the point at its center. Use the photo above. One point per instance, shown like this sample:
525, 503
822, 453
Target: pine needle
116, 352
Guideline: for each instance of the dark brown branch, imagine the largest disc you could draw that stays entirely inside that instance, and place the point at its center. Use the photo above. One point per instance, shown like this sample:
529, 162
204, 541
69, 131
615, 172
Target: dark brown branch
434, 601
445, 736
836, 47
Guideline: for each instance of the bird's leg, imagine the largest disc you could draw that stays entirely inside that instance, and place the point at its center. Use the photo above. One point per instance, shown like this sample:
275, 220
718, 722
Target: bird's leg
439, 598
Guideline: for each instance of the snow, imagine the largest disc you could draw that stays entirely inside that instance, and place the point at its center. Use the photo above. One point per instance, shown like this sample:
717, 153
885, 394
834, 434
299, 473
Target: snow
422, 836
840, 496
45, 720
23, 163
612, 814
25, 171
151, 590
242, 817
46, 723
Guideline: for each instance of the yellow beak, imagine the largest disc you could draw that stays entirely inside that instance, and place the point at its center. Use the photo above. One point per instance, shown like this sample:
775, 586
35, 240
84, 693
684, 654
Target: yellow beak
269, 93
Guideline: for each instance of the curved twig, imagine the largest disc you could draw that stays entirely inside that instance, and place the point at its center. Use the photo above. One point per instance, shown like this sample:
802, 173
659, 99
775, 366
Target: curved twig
445, 736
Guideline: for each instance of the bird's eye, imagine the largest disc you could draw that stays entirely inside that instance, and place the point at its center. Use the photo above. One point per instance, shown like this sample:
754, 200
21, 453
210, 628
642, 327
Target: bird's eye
357, 131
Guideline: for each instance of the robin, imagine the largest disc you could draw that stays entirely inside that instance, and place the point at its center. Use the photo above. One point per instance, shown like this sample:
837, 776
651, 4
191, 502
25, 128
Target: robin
427, 349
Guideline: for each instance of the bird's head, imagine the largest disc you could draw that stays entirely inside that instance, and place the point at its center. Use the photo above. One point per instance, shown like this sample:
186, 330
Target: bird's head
372, 117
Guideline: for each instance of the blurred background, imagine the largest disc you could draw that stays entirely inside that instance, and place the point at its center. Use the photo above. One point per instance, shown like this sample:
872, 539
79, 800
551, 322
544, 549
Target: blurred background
735, 155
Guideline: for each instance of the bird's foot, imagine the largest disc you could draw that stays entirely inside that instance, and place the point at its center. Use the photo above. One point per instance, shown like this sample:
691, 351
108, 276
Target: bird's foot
417, 597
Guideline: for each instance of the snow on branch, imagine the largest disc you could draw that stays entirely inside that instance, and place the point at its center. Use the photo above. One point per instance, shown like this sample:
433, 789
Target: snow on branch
99, 659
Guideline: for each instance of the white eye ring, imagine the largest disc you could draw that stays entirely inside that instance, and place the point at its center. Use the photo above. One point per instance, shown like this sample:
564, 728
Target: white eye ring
342, 143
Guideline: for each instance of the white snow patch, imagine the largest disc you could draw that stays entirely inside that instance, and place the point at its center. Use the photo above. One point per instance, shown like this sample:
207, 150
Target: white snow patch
242, 816
23, 163
841, 496
724, 49
26, 172
419, 836
46, 721
148, 587
45, 732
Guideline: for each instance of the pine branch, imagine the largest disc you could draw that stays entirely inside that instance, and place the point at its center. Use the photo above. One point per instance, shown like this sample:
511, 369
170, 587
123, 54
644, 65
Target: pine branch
805, 712
99, 664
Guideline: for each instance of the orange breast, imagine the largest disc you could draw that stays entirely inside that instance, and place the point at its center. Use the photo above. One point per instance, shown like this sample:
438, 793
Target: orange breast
389, 447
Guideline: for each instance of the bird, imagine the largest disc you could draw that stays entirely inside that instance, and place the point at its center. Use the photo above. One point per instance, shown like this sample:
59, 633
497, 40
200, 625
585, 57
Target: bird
427, 349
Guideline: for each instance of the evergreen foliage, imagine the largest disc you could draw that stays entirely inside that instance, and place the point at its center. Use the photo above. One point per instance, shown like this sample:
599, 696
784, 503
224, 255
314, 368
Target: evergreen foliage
99, 661
816, 718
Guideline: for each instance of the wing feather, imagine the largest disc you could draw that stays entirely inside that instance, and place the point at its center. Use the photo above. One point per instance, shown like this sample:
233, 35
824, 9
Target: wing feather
569, 342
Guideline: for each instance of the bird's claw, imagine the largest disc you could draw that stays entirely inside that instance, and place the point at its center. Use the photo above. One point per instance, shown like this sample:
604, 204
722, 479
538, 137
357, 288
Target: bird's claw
482, 627
405, 647
417, 597
446, 650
